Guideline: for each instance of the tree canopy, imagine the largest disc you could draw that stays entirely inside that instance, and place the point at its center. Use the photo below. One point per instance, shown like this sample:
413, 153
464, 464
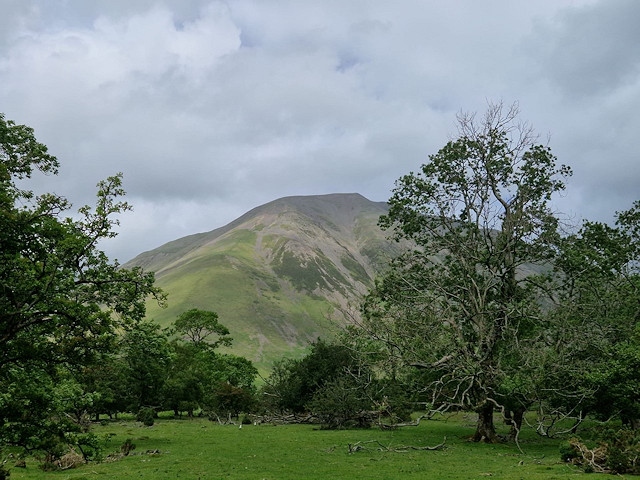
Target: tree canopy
197, 326
62, 301
460, 302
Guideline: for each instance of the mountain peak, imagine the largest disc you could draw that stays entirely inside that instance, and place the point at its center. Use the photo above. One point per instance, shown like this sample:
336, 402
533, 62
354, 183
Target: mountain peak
280, 275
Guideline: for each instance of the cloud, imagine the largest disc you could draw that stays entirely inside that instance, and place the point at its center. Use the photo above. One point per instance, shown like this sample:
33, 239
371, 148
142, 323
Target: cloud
210, 108
591, 50
586, 80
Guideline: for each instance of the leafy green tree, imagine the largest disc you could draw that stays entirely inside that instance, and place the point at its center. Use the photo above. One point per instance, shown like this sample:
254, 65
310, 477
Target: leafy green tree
183, 389
108, 378
340, 403
596, 308
201, 377
293, 383
146, 352
616, 383
61, 300
228, 383
460, 303
228, 400
232, 369
197, 326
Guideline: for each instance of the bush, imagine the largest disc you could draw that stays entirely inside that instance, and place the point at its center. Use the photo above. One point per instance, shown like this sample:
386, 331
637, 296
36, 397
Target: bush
228, 400
54, 449
617, 452
340, 404
568, 452
623, 452
294, 383
127, 447
147, 416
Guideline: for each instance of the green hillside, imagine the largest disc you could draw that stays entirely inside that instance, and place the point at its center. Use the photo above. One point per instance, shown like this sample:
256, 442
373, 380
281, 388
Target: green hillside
279, 276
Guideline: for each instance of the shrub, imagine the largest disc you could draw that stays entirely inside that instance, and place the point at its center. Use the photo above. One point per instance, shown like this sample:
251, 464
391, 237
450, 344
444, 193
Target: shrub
127, 447
54, 448
623, 452
293, 383
568, 452
147, 416
340, 404
617, 452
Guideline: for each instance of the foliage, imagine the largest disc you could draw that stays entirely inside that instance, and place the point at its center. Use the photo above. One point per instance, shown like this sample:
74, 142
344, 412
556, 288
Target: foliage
461, 303
228, 400
228, 384
127, 447
61, 300
183, 388
198, 325
147, 416
618, 452
231, 369
341, 403
107, 378
293, 383
200, 377
332, 384
147, 356
596, 302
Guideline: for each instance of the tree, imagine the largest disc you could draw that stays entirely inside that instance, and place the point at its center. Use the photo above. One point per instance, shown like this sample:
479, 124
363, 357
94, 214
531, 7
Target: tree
201, 377
596, 302
61, 300
293, 383
340, 403
183, 389
198, 325
145, 351
460, 303
228, 383
108, 378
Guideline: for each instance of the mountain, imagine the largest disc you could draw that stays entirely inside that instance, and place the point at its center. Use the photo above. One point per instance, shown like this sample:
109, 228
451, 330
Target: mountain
279, 276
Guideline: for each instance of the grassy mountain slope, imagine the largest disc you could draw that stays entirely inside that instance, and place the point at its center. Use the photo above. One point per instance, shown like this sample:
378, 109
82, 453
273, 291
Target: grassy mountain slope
279, 276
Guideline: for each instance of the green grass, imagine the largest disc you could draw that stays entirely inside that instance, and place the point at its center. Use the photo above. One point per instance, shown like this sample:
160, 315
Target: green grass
198, 448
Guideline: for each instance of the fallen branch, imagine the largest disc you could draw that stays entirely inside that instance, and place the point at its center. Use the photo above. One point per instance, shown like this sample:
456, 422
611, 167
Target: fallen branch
285, 419
393, 426
364, 446
595, 458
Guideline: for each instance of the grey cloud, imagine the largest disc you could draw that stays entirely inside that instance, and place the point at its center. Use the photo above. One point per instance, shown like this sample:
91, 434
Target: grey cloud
211, 108
591, 50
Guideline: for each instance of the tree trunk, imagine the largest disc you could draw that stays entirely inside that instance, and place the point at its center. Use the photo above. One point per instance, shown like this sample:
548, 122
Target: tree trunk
485, 429
514, 420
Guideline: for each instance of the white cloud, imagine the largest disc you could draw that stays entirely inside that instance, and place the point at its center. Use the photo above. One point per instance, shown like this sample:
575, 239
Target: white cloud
210, 108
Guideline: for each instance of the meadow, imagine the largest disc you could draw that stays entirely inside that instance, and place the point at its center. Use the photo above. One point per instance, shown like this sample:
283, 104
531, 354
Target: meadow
200, 449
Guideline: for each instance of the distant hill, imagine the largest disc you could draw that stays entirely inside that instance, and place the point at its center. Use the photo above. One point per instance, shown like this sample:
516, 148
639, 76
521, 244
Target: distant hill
280, 275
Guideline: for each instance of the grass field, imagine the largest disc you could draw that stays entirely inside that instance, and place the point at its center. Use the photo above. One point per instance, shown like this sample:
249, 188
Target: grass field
200, 449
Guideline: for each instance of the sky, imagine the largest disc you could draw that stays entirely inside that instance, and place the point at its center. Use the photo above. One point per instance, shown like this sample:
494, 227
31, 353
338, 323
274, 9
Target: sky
210, 108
